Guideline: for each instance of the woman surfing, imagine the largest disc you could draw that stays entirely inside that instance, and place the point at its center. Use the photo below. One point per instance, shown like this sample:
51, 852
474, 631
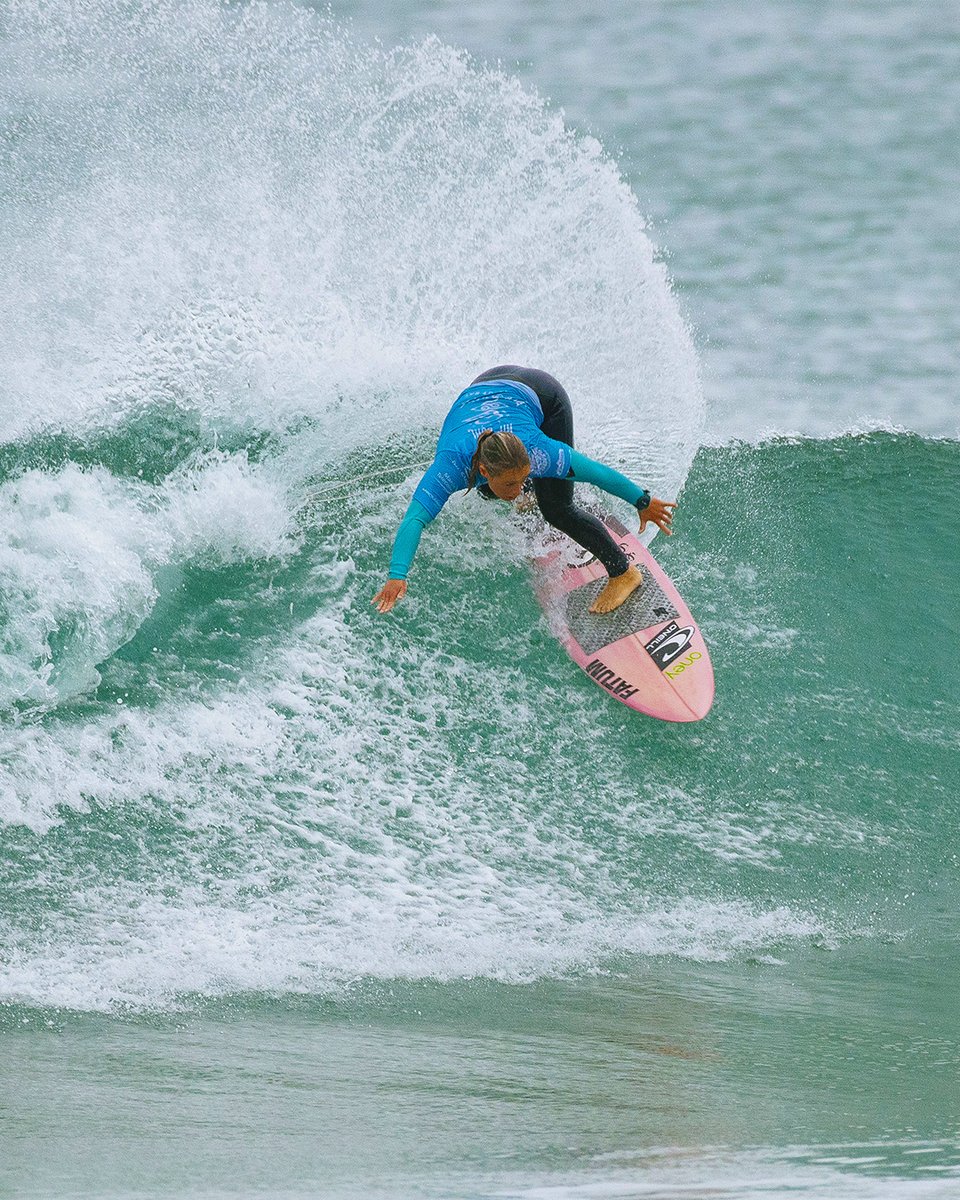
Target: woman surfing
510, 425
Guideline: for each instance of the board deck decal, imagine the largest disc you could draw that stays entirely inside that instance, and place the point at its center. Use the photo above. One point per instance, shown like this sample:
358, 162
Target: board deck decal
669, 644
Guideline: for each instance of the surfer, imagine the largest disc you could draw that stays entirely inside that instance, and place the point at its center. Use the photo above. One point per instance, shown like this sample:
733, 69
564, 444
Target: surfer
510, 425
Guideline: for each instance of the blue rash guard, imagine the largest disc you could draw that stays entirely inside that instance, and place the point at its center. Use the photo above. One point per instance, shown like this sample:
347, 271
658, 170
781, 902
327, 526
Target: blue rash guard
502, 405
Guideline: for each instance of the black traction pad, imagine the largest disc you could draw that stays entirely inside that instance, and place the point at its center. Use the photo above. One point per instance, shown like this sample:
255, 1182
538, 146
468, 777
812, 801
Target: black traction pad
648, 605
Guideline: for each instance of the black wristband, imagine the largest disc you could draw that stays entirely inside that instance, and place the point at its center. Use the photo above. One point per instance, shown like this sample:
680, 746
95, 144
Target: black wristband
644, 501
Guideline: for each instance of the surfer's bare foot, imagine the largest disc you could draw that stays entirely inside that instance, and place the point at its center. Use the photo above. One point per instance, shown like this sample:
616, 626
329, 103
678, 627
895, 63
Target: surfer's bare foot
617, 590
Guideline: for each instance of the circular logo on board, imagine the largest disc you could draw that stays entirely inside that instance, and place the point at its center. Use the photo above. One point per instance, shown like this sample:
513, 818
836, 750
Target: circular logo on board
669, 644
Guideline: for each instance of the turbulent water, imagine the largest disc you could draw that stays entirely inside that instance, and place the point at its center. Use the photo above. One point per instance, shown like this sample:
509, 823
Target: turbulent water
299, 900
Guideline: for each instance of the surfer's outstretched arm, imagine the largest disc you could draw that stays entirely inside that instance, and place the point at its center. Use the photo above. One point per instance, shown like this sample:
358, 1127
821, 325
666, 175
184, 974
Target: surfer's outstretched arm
432, 493
405, 544
587, 470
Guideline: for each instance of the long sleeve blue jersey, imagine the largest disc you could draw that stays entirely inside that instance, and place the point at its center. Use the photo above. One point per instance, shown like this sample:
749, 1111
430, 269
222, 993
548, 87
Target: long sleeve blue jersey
504, 406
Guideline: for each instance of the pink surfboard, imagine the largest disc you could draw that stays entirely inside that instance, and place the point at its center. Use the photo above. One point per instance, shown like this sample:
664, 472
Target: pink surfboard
649, 653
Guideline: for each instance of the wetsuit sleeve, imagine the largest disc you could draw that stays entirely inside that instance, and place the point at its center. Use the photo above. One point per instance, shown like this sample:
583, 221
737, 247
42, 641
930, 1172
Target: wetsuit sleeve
439, 482
586, 470
405, 544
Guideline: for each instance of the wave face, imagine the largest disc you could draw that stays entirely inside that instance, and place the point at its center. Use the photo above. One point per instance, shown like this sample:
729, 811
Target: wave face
271, 791
255, 258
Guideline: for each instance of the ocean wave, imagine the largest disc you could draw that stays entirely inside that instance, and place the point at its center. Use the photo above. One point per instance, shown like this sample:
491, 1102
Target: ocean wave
867, 427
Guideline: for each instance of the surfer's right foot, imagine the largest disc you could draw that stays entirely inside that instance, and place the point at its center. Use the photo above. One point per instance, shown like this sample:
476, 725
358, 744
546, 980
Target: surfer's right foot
617, 590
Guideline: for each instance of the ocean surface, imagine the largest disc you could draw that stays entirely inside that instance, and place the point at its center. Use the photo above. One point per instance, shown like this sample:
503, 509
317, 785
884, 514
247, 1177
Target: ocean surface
300, 901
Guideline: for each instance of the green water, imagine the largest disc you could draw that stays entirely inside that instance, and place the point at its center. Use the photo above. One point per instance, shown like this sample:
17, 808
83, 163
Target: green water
296, 900
457, 1090
795, 851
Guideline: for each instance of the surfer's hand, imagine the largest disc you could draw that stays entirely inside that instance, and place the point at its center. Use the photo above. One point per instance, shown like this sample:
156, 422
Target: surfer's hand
659, 512
392, 591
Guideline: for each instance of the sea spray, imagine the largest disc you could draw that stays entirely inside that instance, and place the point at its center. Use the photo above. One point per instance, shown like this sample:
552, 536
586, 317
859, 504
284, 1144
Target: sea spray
244, 213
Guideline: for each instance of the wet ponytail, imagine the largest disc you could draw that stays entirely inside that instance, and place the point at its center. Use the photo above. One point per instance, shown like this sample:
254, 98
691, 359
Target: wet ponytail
499, 452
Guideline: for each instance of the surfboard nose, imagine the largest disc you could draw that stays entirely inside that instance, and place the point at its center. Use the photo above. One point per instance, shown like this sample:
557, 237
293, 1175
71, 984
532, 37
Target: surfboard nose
694, 689
681, 689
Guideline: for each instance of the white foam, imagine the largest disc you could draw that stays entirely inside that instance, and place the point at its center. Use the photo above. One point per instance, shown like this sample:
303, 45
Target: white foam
259, 221
751, 1173
82, 557
257, 229
357, 846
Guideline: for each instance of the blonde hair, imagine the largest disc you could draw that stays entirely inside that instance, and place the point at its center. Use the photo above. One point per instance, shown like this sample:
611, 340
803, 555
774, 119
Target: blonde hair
498, 452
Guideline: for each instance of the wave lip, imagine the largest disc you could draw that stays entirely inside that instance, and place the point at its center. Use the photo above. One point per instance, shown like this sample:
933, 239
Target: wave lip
84, 555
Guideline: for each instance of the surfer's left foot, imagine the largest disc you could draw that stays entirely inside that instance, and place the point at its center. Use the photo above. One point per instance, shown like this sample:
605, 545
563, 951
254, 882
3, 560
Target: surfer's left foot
617, 590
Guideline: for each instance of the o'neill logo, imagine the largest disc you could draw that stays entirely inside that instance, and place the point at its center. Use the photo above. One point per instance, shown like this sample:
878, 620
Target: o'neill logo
669, 644
610, 680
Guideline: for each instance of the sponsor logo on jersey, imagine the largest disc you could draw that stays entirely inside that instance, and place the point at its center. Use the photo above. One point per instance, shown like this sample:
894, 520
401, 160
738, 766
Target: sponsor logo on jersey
669, 643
